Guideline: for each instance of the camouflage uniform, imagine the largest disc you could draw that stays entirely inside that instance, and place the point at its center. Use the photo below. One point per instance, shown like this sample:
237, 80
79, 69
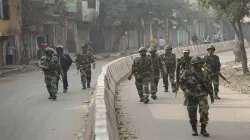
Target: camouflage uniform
183, 64
49, 64
214, 62
83, 63
195, 85
158, 65
170, 62
25, 55
143, 70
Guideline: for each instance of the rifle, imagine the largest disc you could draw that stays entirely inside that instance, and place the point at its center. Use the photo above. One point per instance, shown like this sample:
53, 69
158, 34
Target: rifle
176, 89
222, 76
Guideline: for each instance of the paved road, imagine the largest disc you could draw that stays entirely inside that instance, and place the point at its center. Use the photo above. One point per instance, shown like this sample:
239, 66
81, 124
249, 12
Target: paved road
167, 119
27, 114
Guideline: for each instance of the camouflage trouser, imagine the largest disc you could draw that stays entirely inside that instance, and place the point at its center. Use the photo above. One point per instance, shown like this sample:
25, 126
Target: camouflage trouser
85, 76
192, 106
142, 86
51, 84
215, 83
154, 85
171, 79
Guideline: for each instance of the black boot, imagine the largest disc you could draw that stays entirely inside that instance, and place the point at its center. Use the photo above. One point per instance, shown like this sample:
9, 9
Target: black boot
146, 100
194, 133
50, 96
88, 85
84, 86
153, 96
216, 96
65, 91
166, 89
204, 131
141, 98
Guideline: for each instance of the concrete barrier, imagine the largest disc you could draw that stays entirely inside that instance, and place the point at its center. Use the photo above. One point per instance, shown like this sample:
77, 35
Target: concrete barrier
102, 118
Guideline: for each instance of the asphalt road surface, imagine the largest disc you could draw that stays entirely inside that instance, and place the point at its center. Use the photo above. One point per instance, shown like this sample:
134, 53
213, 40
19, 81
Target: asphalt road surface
167, 119
27, 114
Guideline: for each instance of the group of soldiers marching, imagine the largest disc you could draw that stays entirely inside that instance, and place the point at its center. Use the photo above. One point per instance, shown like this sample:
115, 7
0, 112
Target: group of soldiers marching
55, 65
197, 77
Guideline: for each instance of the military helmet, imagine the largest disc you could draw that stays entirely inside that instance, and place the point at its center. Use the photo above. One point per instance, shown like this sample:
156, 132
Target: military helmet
48, 49
59, 46
211, 47
168, 47
196, 60
151, 49
84, 45
142, 49
186, 50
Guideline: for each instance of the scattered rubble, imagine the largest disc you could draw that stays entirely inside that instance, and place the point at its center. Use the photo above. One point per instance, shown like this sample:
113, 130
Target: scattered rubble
233, 72
126, 130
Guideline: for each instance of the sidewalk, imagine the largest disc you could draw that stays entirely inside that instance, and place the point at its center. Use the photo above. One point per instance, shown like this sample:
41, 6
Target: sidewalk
167, 119
9, 69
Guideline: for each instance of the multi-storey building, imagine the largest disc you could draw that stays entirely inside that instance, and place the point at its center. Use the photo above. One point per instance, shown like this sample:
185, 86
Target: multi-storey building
10, 27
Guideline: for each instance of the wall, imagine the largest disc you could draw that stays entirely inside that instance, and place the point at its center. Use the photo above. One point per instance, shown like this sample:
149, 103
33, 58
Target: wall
102, 118
12, 27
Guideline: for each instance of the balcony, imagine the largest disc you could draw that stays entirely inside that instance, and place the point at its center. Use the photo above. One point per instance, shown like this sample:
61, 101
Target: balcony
89, 11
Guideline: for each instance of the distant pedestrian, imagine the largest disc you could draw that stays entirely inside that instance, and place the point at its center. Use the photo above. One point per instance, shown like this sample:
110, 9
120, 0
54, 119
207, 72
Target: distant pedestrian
206, 39
154, 42
9, 53
25, 55
195, 39
162, 43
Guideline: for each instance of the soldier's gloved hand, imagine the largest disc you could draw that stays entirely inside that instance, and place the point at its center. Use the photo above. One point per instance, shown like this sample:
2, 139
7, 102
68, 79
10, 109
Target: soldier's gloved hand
212, 99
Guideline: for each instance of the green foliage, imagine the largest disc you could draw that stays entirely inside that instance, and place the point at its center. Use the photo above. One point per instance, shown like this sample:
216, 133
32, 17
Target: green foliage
128, 13
70, 6
235, 10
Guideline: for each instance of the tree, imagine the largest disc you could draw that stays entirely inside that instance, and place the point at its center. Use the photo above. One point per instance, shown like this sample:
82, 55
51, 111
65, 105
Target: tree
125, 15
235, 11
188, 14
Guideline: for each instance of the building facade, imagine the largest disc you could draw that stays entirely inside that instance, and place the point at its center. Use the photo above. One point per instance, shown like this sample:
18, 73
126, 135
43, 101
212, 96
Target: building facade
10, 27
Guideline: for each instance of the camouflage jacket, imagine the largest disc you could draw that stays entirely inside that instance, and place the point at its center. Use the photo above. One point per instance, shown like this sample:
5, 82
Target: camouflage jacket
214, 62
170, 61
158, 65
49, 66
84, 60
142, 67
182, 65
195, 83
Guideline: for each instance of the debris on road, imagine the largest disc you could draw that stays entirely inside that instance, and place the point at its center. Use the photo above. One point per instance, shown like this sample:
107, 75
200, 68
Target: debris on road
125, 127
234, 73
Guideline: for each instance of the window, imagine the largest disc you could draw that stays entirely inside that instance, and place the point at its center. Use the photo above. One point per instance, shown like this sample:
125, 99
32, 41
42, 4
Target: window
1, 9
91, 3
4, 10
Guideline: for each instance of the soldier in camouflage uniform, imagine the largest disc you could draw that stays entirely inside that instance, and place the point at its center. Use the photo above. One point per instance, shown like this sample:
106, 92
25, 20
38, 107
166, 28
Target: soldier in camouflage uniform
143, 71
183, 64
214, 62
158, 65
49, 64
195, 84
170, 62
83, 63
